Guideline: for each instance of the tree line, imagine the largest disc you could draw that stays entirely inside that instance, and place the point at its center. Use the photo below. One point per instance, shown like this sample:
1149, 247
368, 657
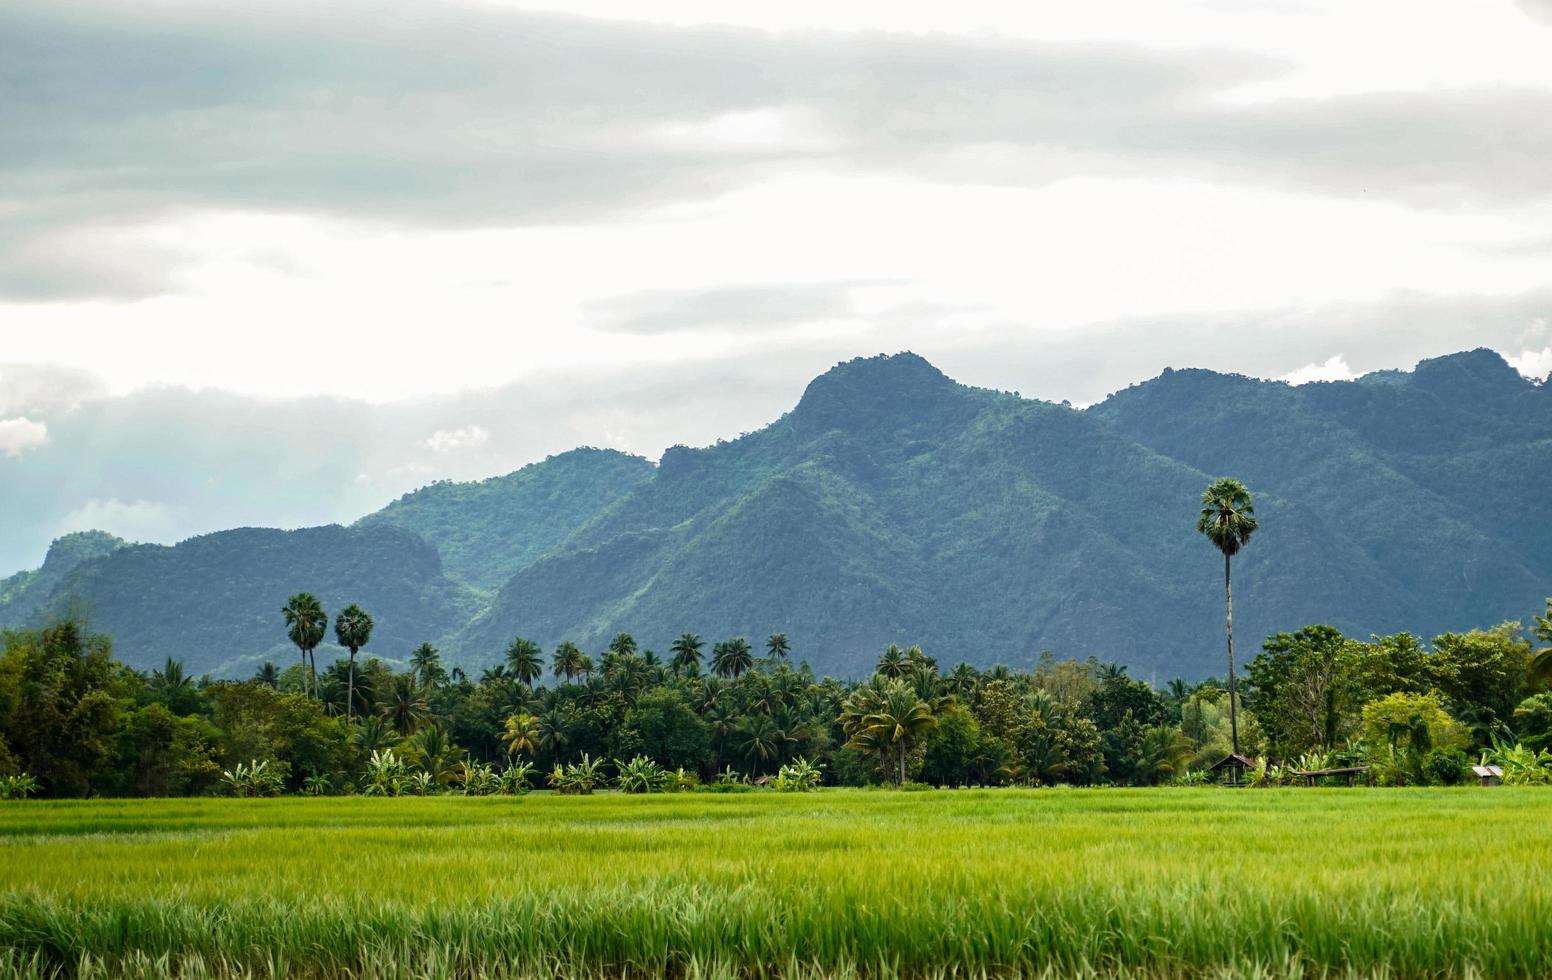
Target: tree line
74, 721
723, 715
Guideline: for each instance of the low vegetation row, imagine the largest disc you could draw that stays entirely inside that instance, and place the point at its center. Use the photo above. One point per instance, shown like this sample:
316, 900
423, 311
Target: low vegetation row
76, 722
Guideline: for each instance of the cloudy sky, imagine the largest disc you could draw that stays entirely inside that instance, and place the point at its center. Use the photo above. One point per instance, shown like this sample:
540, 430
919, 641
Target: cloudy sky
265, 262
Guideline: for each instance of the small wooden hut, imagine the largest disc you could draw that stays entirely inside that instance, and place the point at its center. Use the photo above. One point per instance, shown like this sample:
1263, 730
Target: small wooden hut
1234, 765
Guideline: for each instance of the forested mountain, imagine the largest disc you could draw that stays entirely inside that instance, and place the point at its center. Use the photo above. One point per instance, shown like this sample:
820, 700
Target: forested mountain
22, 594
895, 505
487, 531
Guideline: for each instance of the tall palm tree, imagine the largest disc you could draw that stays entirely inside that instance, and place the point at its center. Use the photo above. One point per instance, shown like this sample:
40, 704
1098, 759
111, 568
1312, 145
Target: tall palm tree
568, 661
777, 646
306, 625
686, 654
1540, 673
1228, 520
521, 734
353, 628
525, 661
426, 663
731, 658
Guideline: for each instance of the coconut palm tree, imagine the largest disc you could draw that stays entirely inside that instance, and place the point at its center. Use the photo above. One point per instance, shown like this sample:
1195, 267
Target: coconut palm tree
886, 716
1228, 519
893, 662
353, 628
686, 654
426, 663
777, 647
373, 734
267, 675
406, 708
731, 658
623, 644
521, 734
568, 661
1540, 673
525, 662
306, 625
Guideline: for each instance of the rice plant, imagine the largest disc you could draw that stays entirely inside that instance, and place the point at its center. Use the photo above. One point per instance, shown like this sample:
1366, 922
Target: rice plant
1160, 883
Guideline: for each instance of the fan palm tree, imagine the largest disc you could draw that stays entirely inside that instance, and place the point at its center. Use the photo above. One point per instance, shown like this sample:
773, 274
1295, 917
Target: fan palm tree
1228, 519
731, 658
1540, 673
521, 734
568, 661
686, 654
306, 625
426, 663
525, 662
777, 646
353, 628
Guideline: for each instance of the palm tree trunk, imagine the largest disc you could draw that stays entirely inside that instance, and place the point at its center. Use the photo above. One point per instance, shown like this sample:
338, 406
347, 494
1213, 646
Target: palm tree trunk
902, 762
350, 692
1228, 604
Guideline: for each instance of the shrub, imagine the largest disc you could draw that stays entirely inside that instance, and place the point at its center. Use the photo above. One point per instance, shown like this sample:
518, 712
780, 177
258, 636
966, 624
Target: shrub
641, 775
17, 787
578, 778
1444, 766
254, 779
799, 776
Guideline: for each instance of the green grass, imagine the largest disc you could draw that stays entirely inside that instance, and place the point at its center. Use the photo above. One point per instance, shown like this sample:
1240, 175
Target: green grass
1152, 883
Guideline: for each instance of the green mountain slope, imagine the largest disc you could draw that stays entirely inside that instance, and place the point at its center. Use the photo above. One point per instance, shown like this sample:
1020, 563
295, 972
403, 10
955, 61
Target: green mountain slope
23, 594
214, 601
895, 505
489, 530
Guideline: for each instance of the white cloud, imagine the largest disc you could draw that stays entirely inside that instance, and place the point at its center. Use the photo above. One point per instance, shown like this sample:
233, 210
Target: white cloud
1534, 364
1335, 369
21, 434
456, 440
138, 520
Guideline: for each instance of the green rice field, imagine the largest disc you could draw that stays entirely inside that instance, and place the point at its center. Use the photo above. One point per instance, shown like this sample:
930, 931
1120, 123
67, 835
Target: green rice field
842, 883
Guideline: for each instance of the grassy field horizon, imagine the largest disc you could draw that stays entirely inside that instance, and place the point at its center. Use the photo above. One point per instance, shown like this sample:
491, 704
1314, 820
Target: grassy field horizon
1171, 882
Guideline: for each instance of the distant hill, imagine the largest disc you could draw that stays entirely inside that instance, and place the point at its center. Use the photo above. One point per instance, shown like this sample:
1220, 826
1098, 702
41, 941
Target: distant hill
22, 595
487, 531
895, 505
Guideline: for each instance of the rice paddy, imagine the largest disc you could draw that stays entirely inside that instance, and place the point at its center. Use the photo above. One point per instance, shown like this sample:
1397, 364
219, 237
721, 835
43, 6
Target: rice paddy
1059, 883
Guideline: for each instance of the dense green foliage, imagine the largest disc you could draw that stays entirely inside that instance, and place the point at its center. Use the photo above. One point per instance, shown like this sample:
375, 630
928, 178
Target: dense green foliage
77, 722
894, 505
829, 885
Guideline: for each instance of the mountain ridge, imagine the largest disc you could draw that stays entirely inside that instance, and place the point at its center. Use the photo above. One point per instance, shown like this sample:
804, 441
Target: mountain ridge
893, 504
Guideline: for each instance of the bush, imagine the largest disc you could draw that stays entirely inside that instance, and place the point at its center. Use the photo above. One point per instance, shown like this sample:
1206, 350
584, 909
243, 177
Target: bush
1445, 767
799, 776
642, 775
17, 787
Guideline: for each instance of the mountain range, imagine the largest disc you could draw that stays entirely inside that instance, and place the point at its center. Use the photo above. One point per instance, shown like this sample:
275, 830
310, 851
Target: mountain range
893, 504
